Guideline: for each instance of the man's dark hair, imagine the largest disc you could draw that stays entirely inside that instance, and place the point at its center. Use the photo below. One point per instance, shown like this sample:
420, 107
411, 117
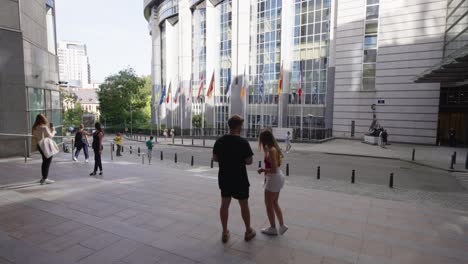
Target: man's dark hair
151, 138
235, 121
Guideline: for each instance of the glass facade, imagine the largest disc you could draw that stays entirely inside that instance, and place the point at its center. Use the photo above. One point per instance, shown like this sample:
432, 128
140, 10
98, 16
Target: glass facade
456, 33
265, 62
225, 48
198, 55
311, 50
370, 45
47, 102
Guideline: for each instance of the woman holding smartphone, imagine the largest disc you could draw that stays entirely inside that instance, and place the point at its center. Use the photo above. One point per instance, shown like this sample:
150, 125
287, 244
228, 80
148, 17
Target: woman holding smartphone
43, 129
98, 135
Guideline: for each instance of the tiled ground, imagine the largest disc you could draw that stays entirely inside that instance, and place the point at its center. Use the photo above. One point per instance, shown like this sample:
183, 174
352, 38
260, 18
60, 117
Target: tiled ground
156, 214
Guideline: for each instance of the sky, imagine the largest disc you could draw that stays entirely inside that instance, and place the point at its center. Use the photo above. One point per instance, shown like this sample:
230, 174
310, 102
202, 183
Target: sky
115, 32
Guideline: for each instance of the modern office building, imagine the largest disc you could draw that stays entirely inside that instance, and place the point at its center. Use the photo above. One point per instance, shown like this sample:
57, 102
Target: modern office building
28, 70
353, 62
74, 67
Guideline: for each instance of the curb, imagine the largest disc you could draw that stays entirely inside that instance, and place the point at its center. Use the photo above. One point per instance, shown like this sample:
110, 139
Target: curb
344, 154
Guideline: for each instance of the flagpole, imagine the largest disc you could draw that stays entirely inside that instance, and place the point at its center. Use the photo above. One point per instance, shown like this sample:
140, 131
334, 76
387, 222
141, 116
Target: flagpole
214, 108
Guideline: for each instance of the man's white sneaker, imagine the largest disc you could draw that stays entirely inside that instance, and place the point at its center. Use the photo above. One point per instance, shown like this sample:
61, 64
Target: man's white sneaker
74, 158
270, 231
86, 160
282, 229
47, 181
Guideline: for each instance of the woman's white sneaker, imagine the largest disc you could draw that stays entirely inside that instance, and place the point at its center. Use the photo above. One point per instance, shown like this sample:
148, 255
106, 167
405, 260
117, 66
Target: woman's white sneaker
282, 229
270, 231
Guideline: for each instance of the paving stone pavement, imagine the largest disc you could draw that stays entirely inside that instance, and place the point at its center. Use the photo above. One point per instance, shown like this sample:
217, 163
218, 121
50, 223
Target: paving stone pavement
169, 214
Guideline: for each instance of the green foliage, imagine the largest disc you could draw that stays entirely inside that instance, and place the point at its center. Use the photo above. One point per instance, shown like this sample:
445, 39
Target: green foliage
124, 95
197, 121
72, 117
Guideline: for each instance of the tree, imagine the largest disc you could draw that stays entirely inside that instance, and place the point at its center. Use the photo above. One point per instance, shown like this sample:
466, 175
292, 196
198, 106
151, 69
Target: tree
125, 96
73, 116
197, 121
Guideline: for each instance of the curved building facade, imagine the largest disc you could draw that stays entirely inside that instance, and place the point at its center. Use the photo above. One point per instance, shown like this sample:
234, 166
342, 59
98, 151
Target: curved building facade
342, 64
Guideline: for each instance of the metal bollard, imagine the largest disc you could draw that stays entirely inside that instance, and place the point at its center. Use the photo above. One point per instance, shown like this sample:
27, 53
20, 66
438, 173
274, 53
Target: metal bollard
287, 169
211, 163
353, 176
175, 158
145, 138
414, 154
390, 184
142, 159
112, 151
130, 149
203, 142
73, 148
162, 156
452, 161
26, 150
455, 157
192, 141
318, 173
259, 164
191, 162
182, 140
139, 151
173, 140
466, 162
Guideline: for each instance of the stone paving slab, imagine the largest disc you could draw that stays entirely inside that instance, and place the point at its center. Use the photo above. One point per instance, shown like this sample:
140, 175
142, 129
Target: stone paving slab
160, 214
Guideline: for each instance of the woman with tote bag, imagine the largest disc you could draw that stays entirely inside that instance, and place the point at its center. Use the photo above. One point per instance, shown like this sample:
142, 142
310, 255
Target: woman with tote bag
46, 146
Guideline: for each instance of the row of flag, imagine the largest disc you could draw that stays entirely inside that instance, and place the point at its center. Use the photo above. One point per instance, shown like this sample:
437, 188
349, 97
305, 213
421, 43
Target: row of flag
166, 97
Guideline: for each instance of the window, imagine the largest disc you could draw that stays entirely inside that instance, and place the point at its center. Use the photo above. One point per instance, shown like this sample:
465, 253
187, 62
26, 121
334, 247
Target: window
368, 84
369, 70
371, 27
370, 42
370, 45
372, 12
370, 55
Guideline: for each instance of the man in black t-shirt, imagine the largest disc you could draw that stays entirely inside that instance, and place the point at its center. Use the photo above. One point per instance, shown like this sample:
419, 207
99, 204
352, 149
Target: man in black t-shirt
233, 152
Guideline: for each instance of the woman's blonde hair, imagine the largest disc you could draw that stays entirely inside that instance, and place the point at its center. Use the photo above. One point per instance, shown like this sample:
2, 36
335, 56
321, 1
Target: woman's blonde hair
40, 120
266, 138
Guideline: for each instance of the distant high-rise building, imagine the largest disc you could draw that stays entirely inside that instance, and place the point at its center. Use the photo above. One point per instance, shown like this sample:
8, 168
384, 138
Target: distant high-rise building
74, 65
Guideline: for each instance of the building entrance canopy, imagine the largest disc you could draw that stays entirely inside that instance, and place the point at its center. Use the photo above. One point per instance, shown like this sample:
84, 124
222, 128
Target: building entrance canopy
453, 68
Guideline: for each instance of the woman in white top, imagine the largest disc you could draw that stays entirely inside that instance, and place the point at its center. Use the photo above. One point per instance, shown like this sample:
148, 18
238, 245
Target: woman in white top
41, 130
274, 182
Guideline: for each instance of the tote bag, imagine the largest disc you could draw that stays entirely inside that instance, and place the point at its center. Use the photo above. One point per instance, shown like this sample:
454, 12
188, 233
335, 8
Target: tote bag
48, 146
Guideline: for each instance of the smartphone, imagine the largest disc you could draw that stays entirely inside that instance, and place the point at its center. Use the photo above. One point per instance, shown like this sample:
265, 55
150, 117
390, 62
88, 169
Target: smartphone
51, 126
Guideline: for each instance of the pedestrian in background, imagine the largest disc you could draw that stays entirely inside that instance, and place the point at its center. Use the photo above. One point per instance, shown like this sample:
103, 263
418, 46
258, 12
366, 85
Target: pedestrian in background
172, 134
149, 146
452, 139
288, 142
98, 136
40, 131
274, 182
119, 142
81, 142
165, 134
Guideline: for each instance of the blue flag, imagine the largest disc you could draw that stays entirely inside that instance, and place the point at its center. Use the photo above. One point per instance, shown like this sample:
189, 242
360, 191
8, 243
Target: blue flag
261, 87
163, 94
228, 85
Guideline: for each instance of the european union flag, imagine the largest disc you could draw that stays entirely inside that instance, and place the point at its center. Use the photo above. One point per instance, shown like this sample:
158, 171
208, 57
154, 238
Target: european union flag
261, 87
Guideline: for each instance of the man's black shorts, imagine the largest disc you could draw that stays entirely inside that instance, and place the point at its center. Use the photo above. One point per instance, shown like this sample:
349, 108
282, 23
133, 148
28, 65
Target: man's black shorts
236, 193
